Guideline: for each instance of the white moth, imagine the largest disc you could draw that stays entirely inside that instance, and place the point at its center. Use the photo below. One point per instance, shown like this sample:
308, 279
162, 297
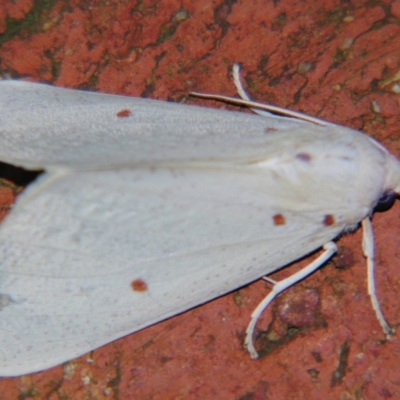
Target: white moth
148, 208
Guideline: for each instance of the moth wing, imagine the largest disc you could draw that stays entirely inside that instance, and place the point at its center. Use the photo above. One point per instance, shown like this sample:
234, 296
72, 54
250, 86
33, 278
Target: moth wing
43, 126
101, 254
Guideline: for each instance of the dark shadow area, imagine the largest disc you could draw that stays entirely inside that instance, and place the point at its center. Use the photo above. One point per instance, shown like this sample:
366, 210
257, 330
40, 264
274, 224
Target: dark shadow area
17, 175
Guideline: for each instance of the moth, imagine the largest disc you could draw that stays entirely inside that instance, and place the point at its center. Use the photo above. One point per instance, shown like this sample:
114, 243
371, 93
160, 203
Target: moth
148, 208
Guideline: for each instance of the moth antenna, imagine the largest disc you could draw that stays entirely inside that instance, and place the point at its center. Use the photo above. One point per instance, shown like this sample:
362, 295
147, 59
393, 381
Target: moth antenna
265, 110
368, 249
242, 93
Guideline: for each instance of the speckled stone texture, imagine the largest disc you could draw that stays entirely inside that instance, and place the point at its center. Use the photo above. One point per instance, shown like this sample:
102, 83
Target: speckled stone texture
335, 60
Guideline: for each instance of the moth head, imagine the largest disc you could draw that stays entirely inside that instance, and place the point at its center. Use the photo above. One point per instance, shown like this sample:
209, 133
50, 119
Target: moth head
392, 184
386, 201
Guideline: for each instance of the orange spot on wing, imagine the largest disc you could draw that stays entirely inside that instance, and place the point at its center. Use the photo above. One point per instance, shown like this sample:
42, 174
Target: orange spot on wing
139, 285
329, 220
124, 113
279, 219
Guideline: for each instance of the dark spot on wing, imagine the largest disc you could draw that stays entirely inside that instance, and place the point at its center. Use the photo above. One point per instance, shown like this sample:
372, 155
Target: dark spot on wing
139, 285
279, 219
303, 157
329, 220
124, 113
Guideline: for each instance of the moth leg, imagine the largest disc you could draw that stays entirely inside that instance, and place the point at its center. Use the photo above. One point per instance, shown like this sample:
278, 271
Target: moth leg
330, 248
269, 280
368, 249
271, 109
242, 93
265, 110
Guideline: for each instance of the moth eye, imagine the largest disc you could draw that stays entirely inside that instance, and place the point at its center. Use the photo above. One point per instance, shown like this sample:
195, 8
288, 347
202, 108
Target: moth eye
385, 202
